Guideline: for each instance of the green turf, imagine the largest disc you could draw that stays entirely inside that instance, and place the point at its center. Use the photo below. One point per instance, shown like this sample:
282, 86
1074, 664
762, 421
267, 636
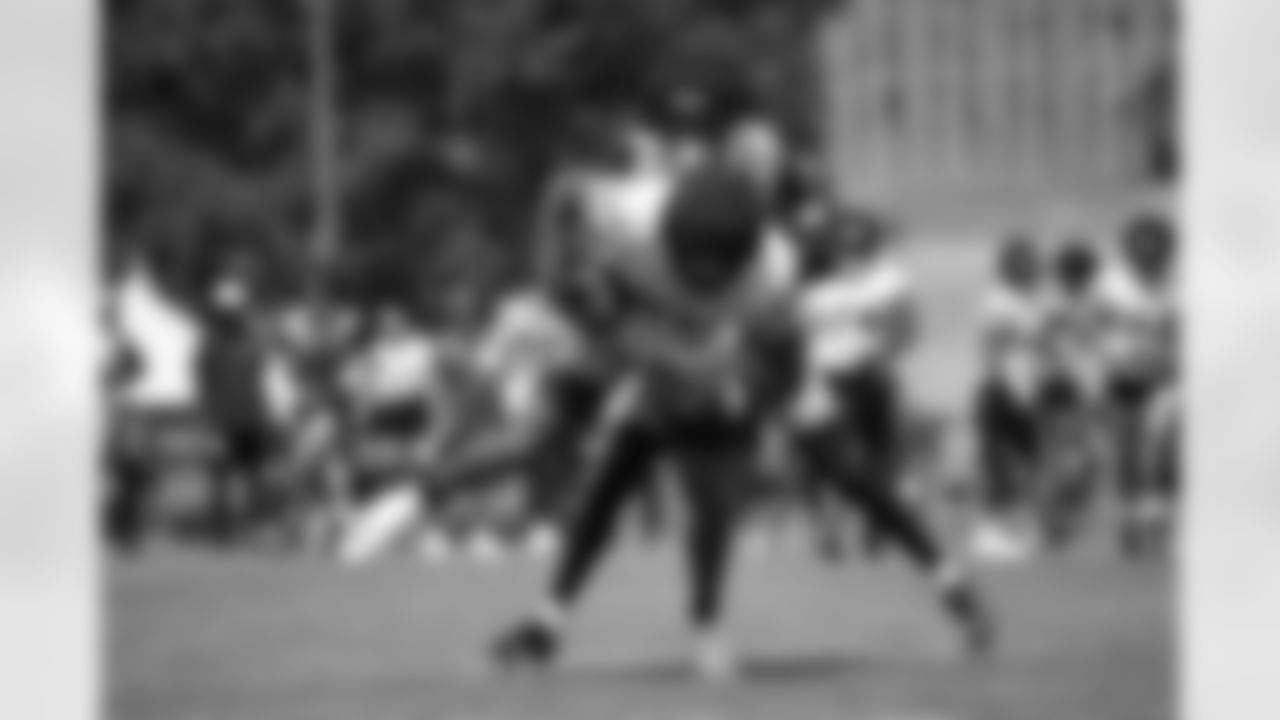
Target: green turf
200, 637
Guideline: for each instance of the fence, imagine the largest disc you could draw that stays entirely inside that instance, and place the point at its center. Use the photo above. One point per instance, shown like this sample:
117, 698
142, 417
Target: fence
989, 103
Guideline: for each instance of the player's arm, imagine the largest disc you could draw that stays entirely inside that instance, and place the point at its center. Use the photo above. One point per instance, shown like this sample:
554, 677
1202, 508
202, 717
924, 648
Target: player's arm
639, 333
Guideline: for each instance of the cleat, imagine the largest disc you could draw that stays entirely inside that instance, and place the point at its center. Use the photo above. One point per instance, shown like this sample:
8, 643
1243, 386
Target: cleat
714, 660
486, 550
966, 606
543, 543
437, 549
529, 645
997, 544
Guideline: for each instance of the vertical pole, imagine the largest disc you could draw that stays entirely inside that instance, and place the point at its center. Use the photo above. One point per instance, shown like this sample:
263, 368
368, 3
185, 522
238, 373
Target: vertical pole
323, 111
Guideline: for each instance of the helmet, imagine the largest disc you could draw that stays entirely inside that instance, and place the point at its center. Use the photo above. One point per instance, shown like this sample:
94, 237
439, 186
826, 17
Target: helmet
713, 228
1076, 266
1149, 245
1018, 261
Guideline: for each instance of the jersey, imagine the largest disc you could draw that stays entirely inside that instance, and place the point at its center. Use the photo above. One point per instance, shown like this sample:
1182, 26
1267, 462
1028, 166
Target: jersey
1142, 338
1015, 326
655, 307
844, 316
1076, 336
167, 342
529, 342
844, 320
398, 369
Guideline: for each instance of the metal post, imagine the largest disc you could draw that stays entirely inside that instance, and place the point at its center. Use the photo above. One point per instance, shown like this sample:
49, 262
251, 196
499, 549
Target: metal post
323, 110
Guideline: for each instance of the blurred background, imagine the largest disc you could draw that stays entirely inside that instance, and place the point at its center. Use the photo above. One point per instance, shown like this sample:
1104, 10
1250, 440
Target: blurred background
386, 146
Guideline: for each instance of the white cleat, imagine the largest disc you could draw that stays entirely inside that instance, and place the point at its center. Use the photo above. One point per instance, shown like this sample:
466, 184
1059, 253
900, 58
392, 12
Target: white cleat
542, 543
436, 549
486, 550
715, 660
996, 544
373, 530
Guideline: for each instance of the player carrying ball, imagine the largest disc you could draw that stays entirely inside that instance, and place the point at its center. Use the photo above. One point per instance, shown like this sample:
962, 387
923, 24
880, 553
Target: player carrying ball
701, 305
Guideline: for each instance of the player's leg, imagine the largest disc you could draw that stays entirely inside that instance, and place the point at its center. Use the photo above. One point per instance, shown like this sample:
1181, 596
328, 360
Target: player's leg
132, 481
873, 406
828, 454
226, 499
625, 465
1151, 512
1007, 440
1066, 413
714, 456
1127, 400
577, 399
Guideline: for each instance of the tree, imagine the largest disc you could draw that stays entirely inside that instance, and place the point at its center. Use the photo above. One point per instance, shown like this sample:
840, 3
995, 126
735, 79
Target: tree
452, 114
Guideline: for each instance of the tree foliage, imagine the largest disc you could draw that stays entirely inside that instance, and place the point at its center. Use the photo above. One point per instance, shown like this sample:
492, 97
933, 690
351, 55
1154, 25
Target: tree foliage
451, 112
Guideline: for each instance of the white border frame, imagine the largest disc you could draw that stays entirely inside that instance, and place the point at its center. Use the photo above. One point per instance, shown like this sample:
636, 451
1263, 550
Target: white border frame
49, 633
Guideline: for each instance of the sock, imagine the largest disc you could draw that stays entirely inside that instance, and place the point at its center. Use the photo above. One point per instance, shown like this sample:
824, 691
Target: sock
550, 614
950, 576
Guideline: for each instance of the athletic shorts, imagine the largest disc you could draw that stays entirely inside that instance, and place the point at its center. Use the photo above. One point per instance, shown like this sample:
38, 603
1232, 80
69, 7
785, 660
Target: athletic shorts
402, 420
865, 420
579, 396
869, 408
1008, 424
248, 447
1133, 391
699, 427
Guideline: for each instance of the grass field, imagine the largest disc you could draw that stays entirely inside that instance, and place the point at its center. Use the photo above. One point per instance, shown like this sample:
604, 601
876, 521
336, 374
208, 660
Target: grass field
200, 637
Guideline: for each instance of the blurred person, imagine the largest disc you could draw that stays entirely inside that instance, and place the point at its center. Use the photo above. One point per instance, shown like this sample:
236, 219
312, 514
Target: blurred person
1141, 292
1014, 319
523, 412
686, 120
859, 321
609, 211
155, 403
686, 290
704, 325
1073, 396
394, 385
548, 392
789, 182
232, 371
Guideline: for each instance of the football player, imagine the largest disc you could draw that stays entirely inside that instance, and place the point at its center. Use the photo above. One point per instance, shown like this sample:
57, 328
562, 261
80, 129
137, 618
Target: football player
1141, 293
1007, 408
858, 322
687, 291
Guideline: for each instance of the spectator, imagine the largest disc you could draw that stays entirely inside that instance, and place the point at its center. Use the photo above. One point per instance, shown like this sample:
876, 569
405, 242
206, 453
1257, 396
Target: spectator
232, 371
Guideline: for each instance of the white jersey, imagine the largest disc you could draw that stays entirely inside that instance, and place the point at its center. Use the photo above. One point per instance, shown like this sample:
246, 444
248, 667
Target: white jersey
1077, 339
622, 214
397, 369
843, 316
1142, 336
166, 341
1015, 324
530, 341
842, 320
529, 332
